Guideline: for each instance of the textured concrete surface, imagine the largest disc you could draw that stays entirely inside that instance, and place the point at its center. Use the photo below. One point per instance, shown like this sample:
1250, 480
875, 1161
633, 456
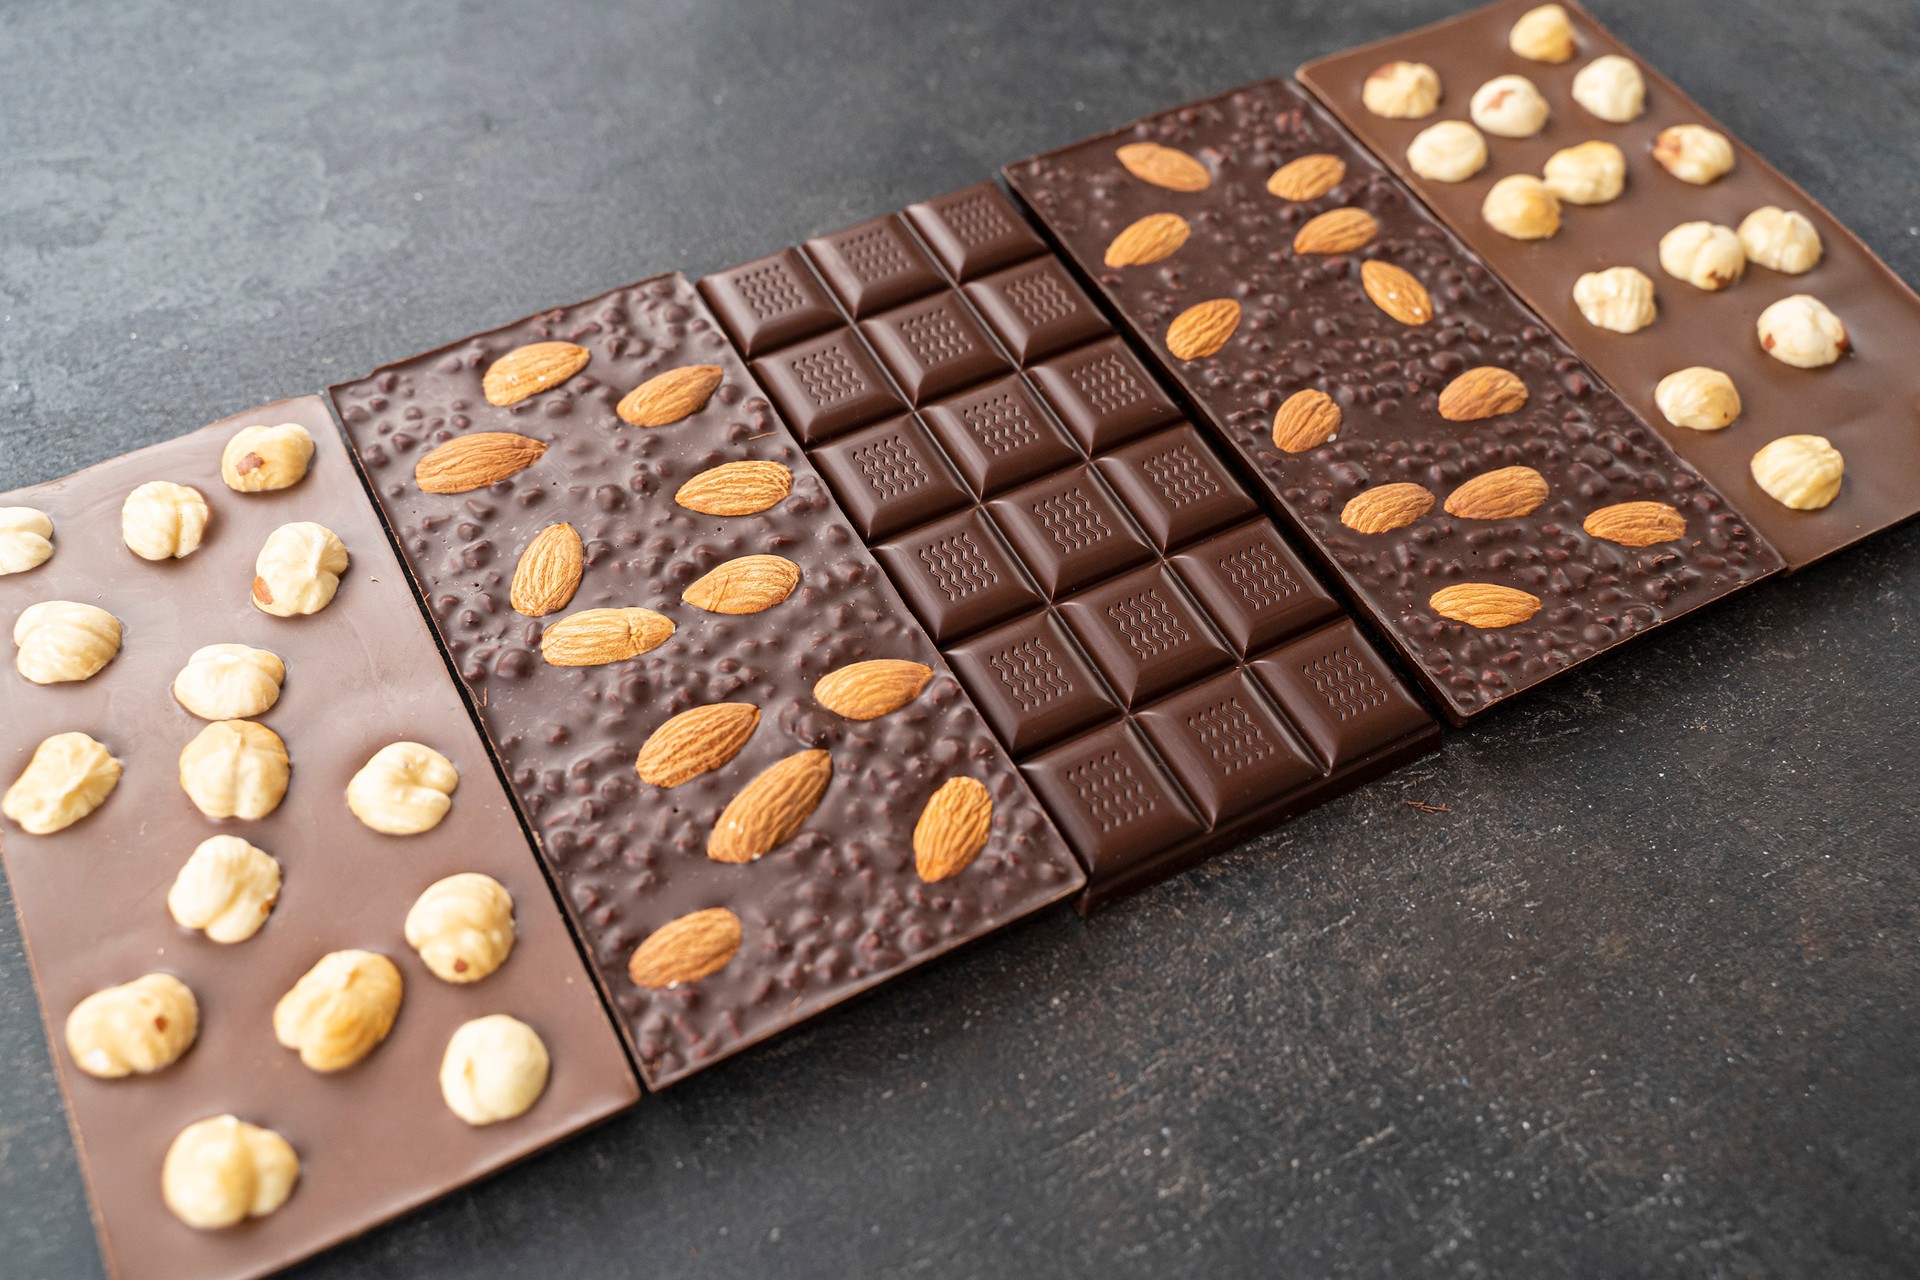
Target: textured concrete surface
1639, 1000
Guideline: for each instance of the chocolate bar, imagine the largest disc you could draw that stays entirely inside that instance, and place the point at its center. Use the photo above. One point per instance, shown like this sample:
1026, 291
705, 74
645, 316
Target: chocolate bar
1169, 675
758, 786
1668, 190
131, 888
1497, 512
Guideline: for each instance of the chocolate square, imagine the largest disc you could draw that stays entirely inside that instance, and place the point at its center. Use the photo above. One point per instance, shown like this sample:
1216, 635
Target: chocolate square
769, 302
999, 435
958, 575
1037, 309
891, 477
1254, 587
1340, 693
827, 386
1032, 683
1114, 802
974, 230
934, 346
1069, 531
1146, 633
1227, 745
1103, 395
873, 265
1176, 487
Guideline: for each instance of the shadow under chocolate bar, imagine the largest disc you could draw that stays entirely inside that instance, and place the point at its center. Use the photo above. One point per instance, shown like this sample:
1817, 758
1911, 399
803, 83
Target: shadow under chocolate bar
1141, 638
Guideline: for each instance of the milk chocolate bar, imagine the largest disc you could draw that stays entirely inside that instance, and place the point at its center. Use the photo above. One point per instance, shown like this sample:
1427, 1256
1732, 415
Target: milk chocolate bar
1169, 675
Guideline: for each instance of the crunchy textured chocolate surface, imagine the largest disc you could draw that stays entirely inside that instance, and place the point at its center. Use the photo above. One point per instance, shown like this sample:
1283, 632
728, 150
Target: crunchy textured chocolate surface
1169, 675
375, 1139
1868, 403
1307, 323
837, 908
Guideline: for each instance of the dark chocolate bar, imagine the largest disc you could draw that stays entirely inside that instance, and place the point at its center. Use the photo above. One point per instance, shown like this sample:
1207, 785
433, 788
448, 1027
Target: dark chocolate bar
375, 1139
838, 903
1867, 402
1498, 513
1141, 638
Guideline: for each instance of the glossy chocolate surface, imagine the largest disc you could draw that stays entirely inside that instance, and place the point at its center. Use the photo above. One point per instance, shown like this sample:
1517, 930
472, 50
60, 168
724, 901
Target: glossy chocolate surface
1096, 576
1867, 404
1306, 323
375, 1139
838, 907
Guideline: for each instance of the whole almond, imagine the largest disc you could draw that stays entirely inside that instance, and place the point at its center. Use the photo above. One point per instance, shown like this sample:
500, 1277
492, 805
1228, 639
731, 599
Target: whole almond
736, 489
746, 585
548, 573
1307, 178
1506, 494
1484, 604
666, 398
1152, 238
696, 742
1636, 524
952, 829
771, 808
1485, 392
472, 462
1307, 420
1385, 507
1336, 231
871, 689
1396, 292
529, 370
1164, 167
1203, 328
687, 949
595, 636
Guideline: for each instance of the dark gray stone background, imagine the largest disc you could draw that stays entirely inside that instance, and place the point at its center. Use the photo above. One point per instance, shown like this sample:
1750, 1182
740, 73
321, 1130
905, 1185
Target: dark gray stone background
1642, 1003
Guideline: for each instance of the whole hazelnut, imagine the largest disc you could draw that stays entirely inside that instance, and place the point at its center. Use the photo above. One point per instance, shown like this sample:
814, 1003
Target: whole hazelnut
298, 569
69, 777
235, 769
1693, 154
1800, 331
136, 1028
222, 1170
1704, 254
259, 459
161, 520
1611, 88
340, 1009
494, 1069
226, 889
1544, 34
1451, 151
1698, 398
1509, 107
1780, 241
1591, 173
1802, 472
1619, 298
26, 539
462, 926
1521, 206
406, 788
229, 682
1402, 90
64, 640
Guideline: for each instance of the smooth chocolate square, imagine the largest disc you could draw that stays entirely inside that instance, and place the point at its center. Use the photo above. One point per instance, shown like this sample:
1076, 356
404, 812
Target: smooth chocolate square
1103, 395
1228, 746
958, 575
1037, 309
1176, 487
873, 265
974, 230
769, 302
891, 477
1145, 633
1032, 683
934, 346
827, 386
1115, 803
1069, 531
1340, 693
1254, 587
999, 435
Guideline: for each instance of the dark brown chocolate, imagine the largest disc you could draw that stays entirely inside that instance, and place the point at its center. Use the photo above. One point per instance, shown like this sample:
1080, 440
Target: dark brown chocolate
839, 907
1867, 404
1306, 323
376, 1139
1141, 639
